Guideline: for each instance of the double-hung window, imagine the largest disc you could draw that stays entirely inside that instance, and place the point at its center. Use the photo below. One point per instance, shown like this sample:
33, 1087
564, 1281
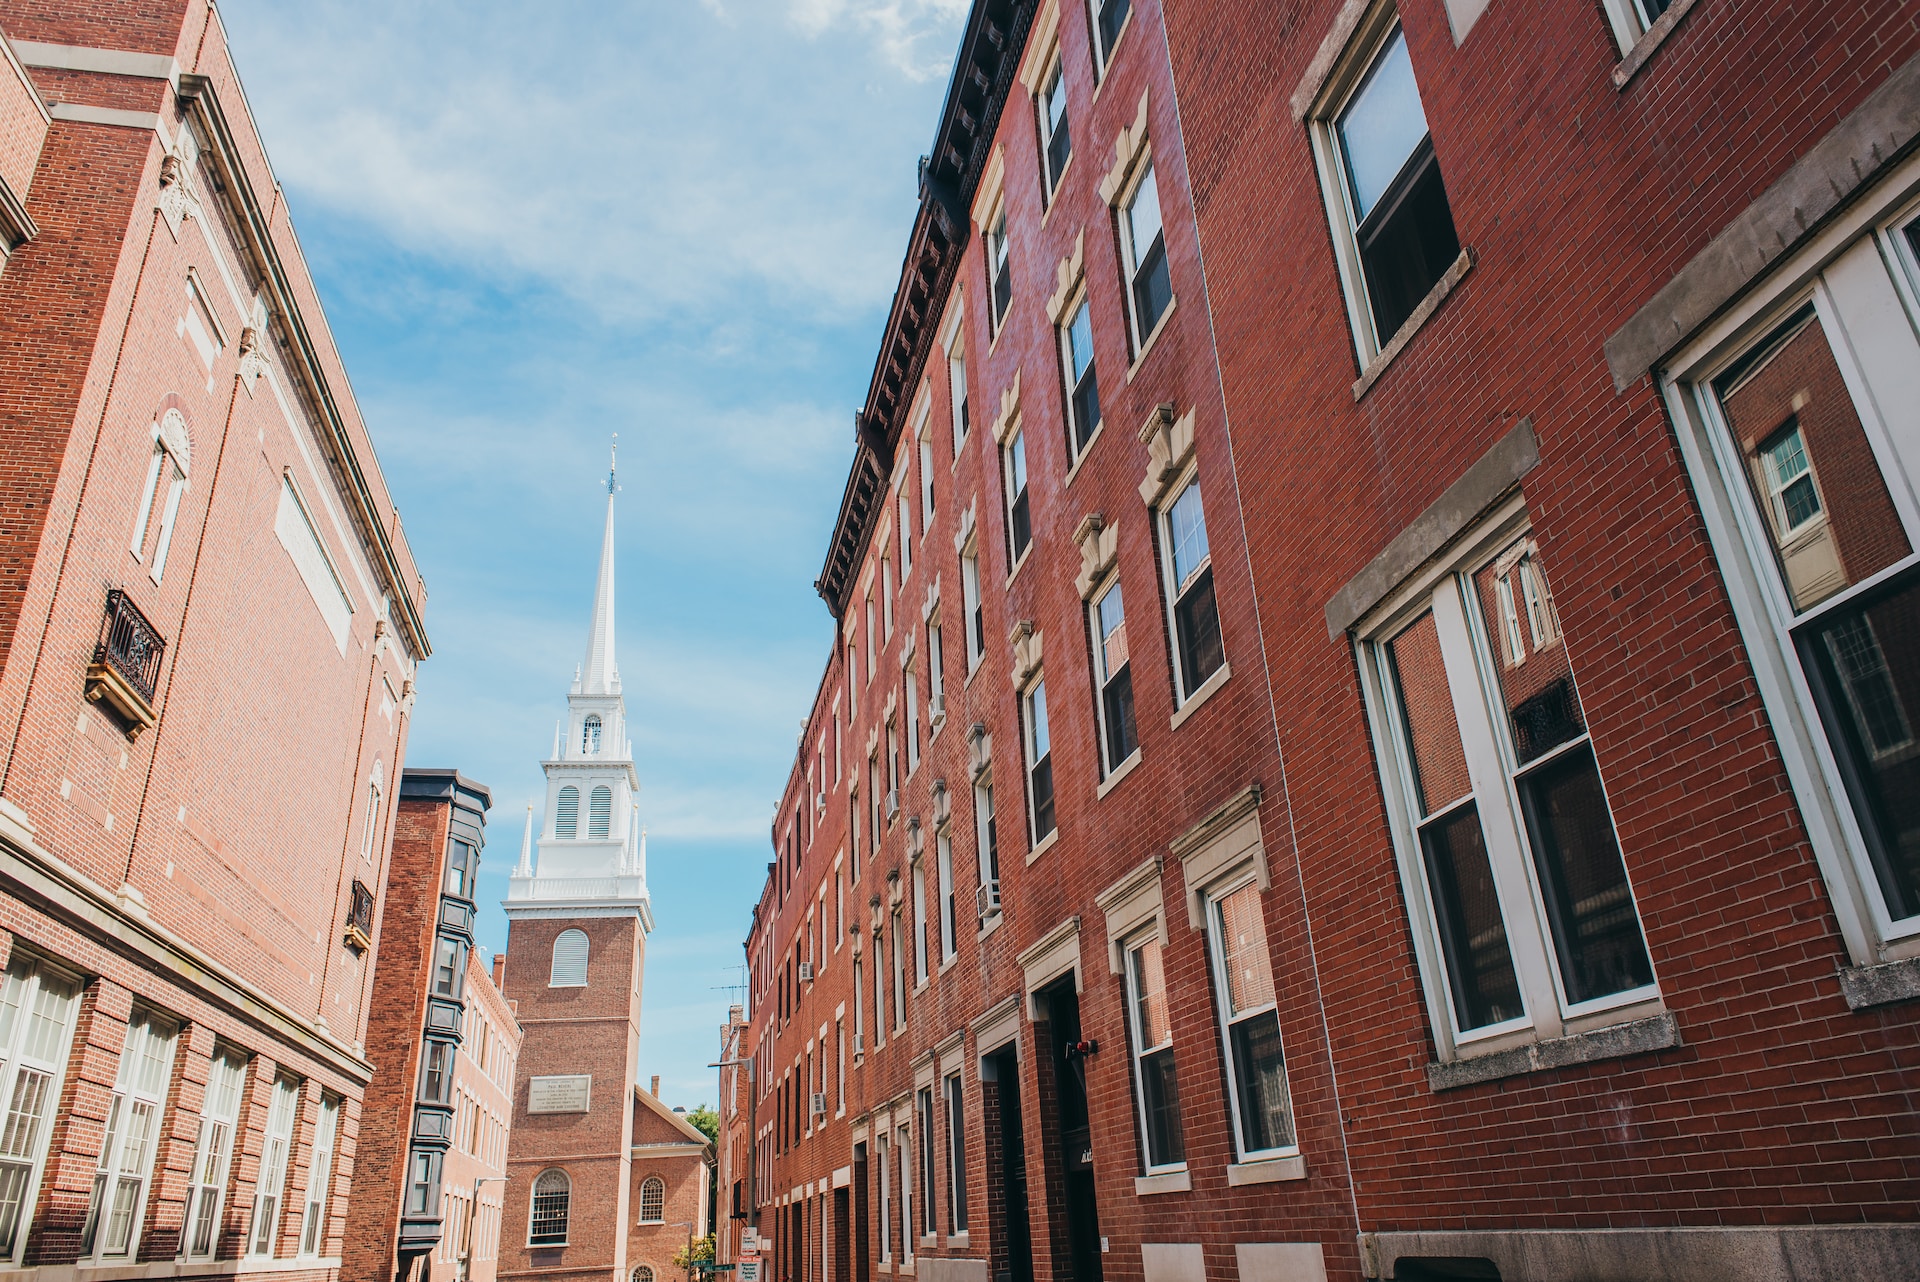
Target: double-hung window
999, 272
926, 475
1524, 916
1798, 432
873, 638
919, 923
1056, 141
1261, 1109
923, 1117
886, 1198
1632, 19
1187, 568
1039, 747
972, 606
936, 675
212, 1154
943, 857
133, 1133
1083, 389
1019, 504
904, 1152
956, 1156
320, 1172
957, 394
1156, 1086
1113, 678
1109, 20
897, 956
911, 680
988, 860
1393, 227
274, 1161
1143, 242
36, 1035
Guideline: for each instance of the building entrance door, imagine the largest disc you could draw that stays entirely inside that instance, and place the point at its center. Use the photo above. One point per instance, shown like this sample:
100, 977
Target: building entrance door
1066, 1133
1007, 1166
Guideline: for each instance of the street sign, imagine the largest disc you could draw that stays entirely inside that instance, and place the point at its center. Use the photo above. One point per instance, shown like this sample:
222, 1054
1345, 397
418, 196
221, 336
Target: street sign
750, 1270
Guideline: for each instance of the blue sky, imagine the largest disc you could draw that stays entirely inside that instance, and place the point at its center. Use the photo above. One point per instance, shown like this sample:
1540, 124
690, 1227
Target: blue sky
681, 222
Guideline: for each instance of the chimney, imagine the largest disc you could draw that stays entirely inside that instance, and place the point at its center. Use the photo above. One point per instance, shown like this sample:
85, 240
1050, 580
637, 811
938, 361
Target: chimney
656, 1086
500, 970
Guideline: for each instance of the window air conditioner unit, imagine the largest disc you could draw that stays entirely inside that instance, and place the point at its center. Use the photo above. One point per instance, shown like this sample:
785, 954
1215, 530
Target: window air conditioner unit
806, 972
986, 899
937, 709
819, 1103
893, 802
820, 803
859, 1043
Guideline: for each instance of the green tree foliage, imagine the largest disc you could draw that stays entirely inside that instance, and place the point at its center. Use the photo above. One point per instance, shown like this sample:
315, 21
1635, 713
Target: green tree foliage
702, 1254
707, 1122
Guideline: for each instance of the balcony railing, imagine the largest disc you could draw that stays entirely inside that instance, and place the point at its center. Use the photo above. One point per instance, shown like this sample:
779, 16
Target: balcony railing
360, 918
125, 671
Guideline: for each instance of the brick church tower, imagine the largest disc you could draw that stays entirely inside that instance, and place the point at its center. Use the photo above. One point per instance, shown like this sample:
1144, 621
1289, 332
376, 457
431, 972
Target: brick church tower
577, 924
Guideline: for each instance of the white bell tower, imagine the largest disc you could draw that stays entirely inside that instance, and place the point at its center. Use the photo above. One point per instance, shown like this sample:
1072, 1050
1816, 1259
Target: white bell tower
591, 852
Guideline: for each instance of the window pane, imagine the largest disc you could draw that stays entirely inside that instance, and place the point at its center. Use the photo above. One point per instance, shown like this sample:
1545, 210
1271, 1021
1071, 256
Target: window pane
1473, 935
1143, 218
1596, 931
1160, 1102
1260, 1076
1149, 995
1382, 126
1113, 15
1536, 680
1811, 470
1116, 707
1081, 379
1863, 662
1407, 244
1054, 125
1197, 625
1243, 951
1187, 533
1427, 721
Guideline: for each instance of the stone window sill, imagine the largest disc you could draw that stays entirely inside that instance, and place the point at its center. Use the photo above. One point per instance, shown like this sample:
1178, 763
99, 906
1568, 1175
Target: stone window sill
1200, 696
1272, 1170
1146, 348
1414, 323
1171, 1182
956, 1241
1046, 844
1658, 1032
1865, 987
1118, 773
1649, 43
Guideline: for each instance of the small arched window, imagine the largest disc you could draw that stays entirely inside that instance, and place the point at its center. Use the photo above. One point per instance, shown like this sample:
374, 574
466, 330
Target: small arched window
590, 735
642, 1273
569, 960
171, 459
566, 820
653, 1200
599, 813
552, 1193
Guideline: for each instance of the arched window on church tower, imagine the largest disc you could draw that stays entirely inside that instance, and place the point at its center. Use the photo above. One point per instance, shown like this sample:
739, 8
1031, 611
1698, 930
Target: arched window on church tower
590, 735
569, 960
552, 1194
566, 822
653, 1200
599, 813
642, 1273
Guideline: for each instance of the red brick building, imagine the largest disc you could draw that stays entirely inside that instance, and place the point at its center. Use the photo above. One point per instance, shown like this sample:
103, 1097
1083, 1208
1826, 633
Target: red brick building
474, 1174
1489, 853
669, 1190
431, 1026
209, 624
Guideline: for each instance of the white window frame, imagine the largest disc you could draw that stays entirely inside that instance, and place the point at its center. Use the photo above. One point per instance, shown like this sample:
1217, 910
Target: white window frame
1857, 271
1015, 491
997, 243
1078, 302
1629, 21
119, 1169
1170, 587
903, 1157
972, 606
920, 969
949, 910
213, 1152
986, 848
959, 407
1211, 896
1101, 47
1102, 678
1363, 50
34, 985
1142, 174
911, 681
1444, 588
326, 1133
936, 672
886, 1198
1137, 1051
924, 436
1054, 74
1034, 695
276, 1162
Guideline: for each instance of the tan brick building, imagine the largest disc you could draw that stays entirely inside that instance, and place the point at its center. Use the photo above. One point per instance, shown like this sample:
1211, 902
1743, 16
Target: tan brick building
473, 1180
209, 624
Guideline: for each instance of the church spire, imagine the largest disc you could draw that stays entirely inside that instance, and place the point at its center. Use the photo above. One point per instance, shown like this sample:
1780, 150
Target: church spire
600, 674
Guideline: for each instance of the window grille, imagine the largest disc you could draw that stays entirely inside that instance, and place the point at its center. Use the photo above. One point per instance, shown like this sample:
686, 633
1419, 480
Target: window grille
653, 1200
552, 1193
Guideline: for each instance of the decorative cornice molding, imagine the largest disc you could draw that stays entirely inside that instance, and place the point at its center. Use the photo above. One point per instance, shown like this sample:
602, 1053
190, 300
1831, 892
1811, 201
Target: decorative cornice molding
1067, 277
1099, 550
1129, 145
1007, 421
1169, 443
1025, 640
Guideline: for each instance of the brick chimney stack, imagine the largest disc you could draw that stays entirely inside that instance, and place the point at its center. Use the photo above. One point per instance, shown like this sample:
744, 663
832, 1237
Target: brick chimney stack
656, 1086
499, 970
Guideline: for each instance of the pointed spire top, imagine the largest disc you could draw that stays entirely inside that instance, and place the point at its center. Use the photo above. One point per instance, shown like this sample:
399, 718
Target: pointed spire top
526, 847
601, 675
613, 466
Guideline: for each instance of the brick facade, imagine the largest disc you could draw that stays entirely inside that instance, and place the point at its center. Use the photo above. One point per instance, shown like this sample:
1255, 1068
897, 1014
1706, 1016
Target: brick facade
209, 624
1734, 1094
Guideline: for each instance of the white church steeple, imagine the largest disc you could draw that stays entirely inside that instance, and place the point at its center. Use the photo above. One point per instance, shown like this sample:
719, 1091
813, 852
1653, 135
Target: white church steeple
590, 859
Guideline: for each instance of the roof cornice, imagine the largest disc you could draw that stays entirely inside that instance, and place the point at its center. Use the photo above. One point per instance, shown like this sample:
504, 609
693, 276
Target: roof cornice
977, 91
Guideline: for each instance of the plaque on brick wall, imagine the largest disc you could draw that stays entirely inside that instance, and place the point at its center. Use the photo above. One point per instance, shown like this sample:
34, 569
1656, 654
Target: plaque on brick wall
559, 1094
